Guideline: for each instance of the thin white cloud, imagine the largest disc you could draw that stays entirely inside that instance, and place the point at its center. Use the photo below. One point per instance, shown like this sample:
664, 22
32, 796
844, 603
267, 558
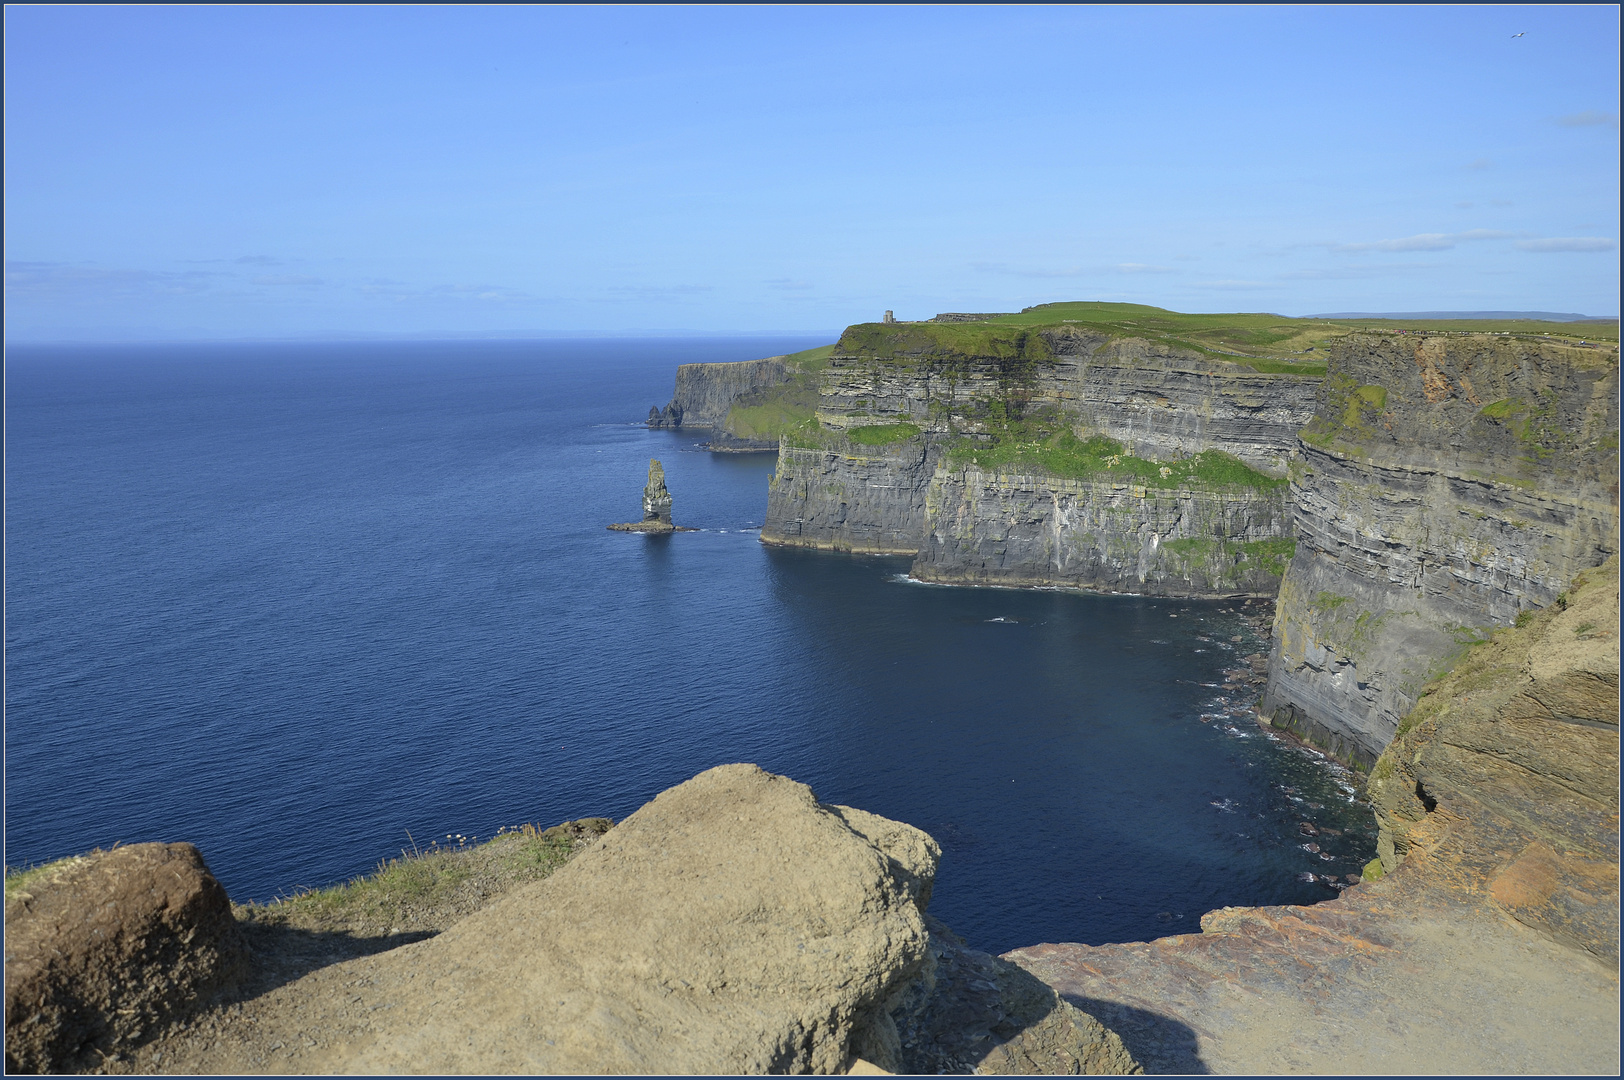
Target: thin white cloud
1231, 284
70, 280
304, 280
1568, 243
1590, 118
1071, 271
257, 260
1355, 272
402, 293
1424, 241
1027, 272
789, 284
1480, 164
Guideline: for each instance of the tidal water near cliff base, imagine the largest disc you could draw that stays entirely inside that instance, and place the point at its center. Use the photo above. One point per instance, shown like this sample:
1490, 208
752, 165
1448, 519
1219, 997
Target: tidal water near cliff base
293, 602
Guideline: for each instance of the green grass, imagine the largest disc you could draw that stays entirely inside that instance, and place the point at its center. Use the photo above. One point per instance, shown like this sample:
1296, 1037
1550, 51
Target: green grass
21, 880
422, 879
1273, 554
1063, 454
810, 361
1500, 410
881, 434
1270, 344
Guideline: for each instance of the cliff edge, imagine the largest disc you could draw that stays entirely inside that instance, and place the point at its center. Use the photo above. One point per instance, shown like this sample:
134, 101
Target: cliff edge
1490, 945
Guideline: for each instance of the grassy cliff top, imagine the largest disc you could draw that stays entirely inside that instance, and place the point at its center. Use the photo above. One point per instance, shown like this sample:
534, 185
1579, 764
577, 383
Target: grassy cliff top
1268, 343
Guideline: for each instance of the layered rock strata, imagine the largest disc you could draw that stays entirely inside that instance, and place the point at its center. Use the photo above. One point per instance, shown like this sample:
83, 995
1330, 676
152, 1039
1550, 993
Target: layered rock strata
1006, 527
656, 505
705, 392
1445, 486
1156, 399
1026, 526
854, 498
1491, 944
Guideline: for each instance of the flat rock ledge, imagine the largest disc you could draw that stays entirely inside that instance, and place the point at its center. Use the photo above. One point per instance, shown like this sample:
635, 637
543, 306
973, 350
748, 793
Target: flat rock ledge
657, 527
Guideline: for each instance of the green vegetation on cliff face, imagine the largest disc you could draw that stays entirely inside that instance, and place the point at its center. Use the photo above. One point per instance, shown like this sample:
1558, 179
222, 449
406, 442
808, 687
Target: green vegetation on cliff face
1035, 447
767, 415
881, 434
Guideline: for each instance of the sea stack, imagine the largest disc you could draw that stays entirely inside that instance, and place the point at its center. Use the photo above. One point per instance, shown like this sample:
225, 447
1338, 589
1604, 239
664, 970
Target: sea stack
656, 505
656, 499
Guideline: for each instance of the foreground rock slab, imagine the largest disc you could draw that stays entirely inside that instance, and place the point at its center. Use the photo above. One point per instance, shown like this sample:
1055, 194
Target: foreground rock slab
103, 948
732, 925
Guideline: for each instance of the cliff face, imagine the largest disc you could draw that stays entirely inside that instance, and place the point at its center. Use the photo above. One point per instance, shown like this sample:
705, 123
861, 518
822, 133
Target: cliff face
1445, 485
705, 392
1519, 747
855, 498
1047, 506
993, 527
1157, 400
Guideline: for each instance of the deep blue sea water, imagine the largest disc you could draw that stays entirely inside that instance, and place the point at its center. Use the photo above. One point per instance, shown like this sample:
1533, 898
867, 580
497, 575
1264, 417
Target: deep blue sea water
291, 602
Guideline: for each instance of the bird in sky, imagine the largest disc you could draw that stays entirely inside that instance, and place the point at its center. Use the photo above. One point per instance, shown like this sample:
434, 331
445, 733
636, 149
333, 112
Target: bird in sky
1519, 35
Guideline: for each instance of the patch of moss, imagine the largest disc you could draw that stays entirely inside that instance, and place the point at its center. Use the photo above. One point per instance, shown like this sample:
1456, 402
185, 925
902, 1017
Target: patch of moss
1272, 554
1327, 601
1373, 870
28, 877
1062, 453
881, 434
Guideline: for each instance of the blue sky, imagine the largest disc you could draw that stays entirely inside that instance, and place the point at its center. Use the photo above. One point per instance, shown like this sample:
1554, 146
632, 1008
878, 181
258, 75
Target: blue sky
185, 172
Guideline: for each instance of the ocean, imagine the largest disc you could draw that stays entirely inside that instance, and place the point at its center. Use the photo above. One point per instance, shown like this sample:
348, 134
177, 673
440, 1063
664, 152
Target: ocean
304, 605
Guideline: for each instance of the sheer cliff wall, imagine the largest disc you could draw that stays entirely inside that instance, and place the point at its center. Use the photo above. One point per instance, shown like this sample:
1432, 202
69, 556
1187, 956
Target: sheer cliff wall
996, 527
1445, 485
705, 392
1024, 522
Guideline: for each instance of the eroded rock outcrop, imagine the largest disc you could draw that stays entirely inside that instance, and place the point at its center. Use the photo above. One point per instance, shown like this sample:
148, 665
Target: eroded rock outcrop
103, 949
732, 925
656, 505
1489, 946
1446, 485
1520, 746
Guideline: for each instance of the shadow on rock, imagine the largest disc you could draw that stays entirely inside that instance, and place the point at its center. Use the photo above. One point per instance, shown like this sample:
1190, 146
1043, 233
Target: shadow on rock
977, 1013
279, 954
1164, 1046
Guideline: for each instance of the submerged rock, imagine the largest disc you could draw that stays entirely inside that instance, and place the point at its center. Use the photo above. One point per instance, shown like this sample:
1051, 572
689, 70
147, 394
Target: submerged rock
104, 948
